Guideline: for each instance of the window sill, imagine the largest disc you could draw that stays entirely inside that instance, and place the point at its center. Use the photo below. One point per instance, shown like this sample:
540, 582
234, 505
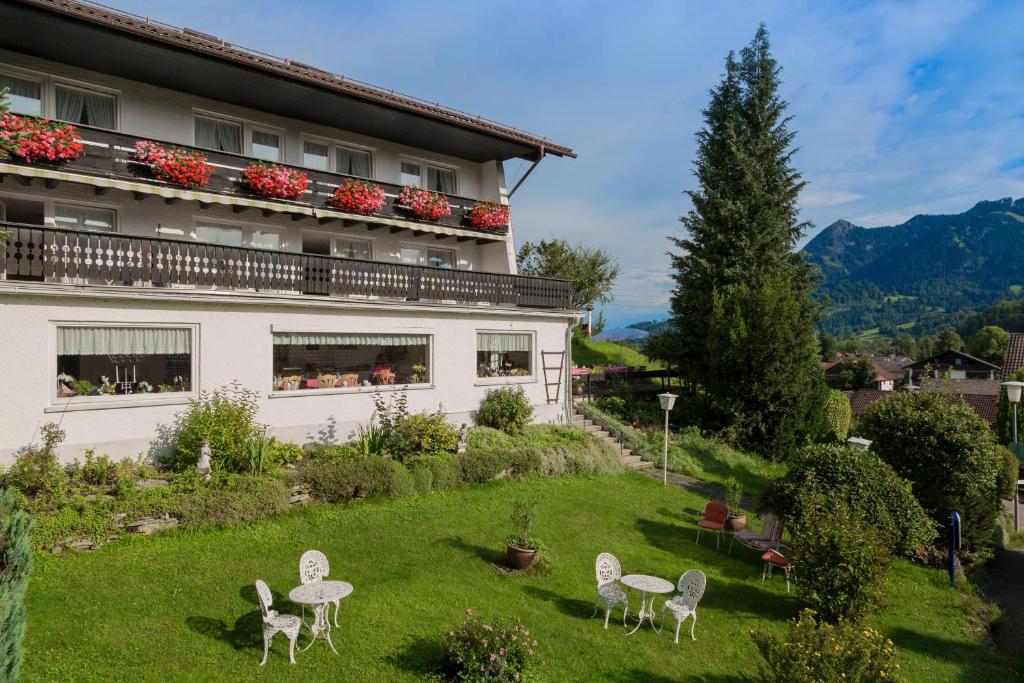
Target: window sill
350, 390
498, 381
115, 402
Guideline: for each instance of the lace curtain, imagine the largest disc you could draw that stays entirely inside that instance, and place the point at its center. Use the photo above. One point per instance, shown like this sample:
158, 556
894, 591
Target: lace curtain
502, 342
89, 109
222, 135
108, 341
353, 162
344, 339
440, 180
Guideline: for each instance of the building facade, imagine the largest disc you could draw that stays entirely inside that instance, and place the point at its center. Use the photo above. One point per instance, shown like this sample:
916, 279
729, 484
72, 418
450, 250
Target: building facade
125, 294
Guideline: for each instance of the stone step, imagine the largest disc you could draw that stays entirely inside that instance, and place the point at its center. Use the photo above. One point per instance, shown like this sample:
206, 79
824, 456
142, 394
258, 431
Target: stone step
592, 428
603, 435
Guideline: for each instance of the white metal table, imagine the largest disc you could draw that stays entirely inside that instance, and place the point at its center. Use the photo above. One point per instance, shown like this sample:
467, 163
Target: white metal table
647, 585
319, 595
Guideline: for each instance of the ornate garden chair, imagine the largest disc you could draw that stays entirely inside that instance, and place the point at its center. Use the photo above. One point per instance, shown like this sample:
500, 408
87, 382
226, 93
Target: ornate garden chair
683, 606
609, 592
313, 567
274, 623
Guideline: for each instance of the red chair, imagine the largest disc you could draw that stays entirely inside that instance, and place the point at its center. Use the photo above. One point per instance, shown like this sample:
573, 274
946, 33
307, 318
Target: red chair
773, 558
715, 515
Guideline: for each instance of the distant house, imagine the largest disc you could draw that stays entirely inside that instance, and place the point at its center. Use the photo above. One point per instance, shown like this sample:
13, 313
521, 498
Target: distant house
957, 364
1014, 359
885, 378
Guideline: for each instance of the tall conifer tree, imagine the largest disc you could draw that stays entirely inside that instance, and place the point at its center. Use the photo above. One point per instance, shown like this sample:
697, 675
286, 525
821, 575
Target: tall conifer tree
744, 319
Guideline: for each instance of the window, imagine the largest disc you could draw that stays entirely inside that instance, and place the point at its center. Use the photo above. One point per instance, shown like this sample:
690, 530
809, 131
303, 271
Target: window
357, 249
238, 236
264, 239
120, 361
266, 145
72, 217
24, 96
225, 136
315, 155
354, 162
504, 354
216, 234
335, 360
440, 180
86, 107
438, 258
410, 174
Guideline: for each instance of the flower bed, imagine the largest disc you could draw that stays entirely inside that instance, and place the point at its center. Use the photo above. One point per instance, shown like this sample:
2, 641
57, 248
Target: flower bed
274, 181
489, 216
423, 204
357, 196
33, 140
175, 165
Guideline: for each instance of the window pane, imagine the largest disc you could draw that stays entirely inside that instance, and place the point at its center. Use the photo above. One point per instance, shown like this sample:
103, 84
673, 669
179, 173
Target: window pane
412, 256
84, 218
357, 249
440, 180
266, 146
122, 361
225, 136
354, 162
25, 97
504, 354
85, 107
262, 239
325, 361
440, 258
215, 234
315, 155
410, 174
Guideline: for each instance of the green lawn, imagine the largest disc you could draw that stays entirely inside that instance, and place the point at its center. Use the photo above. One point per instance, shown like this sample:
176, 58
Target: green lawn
590, 353
181, 606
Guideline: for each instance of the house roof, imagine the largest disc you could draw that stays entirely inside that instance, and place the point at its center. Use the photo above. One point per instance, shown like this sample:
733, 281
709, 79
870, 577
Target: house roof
980, 387
142, 49
984, 405
862, 398
1014, 359
893, 363
952, 352
881, 373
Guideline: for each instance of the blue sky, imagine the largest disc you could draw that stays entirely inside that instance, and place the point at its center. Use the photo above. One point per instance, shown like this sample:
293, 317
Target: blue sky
901, 107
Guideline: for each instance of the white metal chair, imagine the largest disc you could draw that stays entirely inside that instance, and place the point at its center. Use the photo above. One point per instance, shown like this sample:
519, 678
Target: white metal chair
274, 623
609, 592
683, 606
313, 567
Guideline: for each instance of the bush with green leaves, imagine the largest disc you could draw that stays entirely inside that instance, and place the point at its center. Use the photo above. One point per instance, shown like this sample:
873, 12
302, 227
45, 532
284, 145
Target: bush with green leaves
505, 408
842, 561
612, 404
812, 652
35, 470
861, 481
946, 451
422, 433
837, 416
478, 652
1009, 475
339, 481
15, 567
232, 499
226, 418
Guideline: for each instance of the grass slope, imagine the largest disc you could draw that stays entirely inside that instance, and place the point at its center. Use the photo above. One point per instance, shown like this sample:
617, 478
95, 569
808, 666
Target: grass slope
590, 353
181, 606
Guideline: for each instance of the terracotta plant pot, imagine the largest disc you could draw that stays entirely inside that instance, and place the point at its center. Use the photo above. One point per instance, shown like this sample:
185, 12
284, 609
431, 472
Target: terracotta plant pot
519, 558
736, 523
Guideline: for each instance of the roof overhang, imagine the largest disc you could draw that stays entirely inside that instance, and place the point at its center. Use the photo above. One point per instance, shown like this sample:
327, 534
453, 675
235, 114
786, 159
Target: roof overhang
111, 42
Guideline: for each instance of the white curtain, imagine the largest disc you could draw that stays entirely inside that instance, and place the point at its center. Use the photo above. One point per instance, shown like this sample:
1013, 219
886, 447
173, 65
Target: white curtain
26, 97
353, 162
104, 341
70, 105
502, 342
222, 135
315, 155
342, 339
83, 218
90, 109
440, 180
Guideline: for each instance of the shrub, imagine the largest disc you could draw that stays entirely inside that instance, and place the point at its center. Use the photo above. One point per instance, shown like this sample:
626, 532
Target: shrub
522, 517
339, 481
238, 498
612, 404
812, 652
477, 651
422, 478
948, 453
836, 417
35, 470
445, 471
323, 451
15, 566
480, 467
283, 452
422, 433
226, 417
97, 470
842, 562
505, 408
1009, 474
864, 483
734, 496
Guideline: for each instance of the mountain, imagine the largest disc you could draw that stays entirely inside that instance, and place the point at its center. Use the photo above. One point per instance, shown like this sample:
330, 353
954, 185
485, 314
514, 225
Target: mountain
921, 275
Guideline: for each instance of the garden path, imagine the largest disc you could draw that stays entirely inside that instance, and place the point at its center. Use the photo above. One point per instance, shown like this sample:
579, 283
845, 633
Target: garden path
1005, 585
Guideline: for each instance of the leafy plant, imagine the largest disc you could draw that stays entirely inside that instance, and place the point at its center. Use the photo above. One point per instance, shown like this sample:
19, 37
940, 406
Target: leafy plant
371, 440
84, 387
418, 374
612, 404
259, 448
97, 470
476, 651
521, 517
811, 652
15, 567
226, 417
35, 469
837, 416
505, 408
734, 496
240, 498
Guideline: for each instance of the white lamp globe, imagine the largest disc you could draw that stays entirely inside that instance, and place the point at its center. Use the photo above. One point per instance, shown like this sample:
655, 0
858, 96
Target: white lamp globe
669, 400
1013, 391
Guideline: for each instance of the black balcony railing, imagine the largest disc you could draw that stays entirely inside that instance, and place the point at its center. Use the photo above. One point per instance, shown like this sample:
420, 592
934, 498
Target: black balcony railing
110, 154
42, 254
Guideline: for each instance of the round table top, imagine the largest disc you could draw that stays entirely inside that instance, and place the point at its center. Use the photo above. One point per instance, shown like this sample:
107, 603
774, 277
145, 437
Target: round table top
647, 584
320, 592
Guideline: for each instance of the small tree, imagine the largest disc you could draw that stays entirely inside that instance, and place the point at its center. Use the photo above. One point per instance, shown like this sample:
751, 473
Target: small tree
852, 374
837, 416
505, 408
15, 566
226, 418
591, 270
989, 343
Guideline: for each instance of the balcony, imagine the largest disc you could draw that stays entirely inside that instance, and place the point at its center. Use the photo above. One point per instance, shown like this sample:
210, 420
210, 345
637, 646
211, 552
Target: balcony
69, 257
109, 163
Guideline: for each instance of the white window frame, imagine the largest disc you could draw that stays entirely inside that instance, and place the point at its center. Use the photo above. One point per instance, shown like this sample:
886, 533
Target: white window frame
371, 240
49, 203
52, 213
426, 248
74, 403
87, 87
248, 130
532, 378
424, 163
431, 373
333, 145
246, 227
35, 77
215, 116
48, 92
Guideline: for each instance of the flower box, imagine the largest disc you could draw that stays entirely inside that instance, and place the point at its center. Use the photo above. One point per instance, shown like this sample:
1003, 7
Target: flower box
178, 166
425, 205
275, 182
489, 216
357, 196
32, 140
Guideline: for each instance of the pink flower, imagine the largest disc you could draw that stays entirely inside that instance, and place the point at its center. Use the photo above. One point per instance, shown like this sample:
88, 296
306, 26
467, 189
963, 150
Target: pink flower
469, 611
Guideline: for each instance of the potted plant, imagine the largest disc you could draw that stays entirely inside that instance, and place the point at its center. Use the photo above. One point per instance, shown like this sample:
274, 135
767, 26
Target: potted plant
382, 374
187, 168
31, 139
418, 374
357, 196
521, 548
734, 500
424, 204
489, 216
275, 181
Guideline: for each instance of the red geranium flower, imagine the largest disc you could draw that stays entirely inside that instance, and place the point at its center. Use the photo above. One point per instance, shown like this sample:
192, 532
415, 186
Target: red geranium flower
187, 168
31, 139
489, 216
357, 196
423, 204
274, 181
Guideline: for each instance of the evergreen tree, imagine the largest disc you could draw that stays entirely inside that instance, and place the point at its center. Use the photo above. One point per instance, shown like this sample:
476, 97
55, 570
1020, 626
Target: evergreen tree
15, 565
744, 317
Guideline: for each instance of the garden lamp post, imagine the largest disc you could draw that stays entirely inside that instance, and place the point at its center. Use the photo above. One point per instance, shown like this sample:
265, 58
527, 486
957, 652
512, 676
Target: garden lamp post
590, 320
667, 401
1013, 390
